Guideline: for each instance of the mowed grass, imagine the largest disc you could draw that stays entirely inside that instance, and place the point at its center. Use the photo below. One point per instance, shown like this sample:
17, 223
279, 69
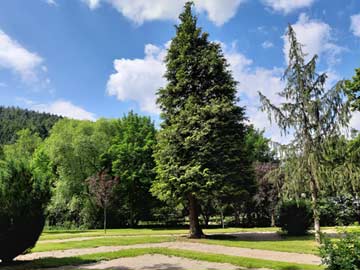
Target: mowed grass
202, 256
305, 244
67, 234
98, 242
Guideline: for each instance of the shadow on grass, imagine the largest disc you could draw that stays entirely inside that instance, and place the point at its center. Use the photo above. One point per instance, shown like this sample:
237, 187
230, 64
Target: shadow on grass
65, 231
44, 263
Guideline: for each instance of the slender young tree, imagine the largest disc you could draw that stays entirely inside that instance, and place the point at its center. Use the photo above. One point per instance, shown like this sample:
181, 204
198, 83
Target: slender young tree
101, 186
200, 145
312, 113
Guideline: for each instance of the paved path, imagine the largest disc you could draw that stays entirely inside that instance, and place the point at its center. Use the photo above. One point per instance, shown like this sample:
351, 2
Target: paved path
215, 249
154, 262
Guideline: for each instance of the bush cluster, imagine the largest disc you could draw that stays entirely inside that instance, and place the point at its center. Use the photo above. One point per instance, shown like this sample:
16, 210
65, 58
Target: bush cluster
23, 198
295, 217
341, 254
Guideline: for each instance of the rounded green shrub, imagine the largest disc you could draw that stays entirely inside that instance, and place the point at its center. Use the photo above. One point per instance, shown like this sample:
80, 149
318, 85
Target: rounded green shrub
295, 217
23, 198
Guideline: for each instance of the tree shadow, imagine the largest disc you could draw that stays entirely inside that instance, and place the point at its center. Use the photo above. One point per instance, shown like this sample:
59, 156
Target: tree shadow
45, 263
67, 231
253, 236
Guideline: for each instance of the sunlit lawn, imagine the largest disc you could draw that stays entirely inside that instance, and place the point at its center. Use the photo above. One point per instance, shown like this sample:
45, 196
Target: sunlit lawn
67, 234
304, 244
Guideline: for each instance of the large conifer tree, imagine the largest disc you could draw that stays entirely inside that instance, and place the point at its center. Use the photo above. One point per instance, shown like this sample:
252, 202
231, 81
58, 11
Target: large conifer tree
200, 145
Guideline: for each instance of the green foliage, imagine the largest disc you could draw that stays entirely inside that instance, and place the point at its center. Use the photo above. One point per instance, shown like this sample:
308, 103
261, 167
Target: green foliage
343, 253
75, 150
132, 160
24, 195
258, 146
268, 193
200, 147
78, 150
353, 90
295, 217
13, 120
342, 210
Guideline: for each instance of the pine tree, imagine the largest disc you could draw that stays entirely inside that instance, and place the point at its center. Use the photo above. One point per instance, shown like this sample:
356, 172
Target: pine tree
313, 114
200, 145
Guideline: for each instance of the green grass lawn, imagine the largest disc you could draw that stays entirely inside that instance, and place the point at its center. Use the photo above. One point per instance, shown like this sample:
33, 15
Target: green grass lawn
141, 236
67, 234
92, 243
304, 244
92, 258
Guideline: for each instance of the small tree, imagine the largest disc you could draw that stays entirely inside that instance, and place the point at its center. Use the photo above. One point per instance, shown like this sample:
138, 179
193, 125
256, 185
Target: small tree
312, 114
101, 186
269, 188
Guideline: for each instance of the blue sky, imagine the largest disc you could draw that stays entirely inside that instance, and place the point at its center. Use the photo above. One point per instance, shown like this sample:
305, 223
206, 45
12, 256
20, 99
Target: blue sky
88, 59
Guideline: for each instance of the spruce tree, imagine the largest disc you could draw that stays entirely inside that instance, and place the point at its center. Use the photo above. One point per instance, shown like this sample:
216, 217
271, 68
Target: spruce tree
200, 146
313, 114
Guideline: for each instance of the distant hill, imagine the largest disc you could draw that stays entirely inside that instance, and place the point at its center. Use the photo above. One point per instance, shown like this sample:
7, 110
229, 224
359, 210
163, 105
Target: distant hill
13, 119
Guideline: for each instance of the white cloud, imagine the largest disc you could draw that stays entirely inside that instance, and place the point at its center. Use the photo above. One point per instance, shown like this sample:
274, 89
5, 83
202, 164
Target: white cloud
355, 120
16, 58
355, 24
219, 12
64, 108
139, 79
139, 11
316, 36
287, 6
267, 44
51, 2
2, 84
252, 79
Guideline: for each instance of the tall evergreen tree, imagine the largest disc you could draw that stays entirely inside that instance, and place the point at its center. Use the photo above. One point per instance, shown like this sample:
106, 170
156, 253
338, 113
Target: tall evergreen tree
200, 145
313, 114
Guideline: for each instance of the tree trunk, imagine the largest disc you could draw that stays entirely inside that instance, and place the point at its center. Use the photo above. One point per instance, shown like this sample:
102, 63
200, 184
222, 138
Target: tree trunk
314, 197
206, 220
273, 223
237, 217
195, 229
222, 218
105, 219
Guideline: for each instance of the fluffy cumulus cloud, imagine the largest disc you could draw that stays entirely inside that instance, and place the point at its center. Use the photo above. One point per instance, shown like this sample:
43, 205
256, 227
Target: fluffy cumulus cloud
316, 36
15, 57
64, 108
139, 11
287, 6
252, 79
139, 79
355, 24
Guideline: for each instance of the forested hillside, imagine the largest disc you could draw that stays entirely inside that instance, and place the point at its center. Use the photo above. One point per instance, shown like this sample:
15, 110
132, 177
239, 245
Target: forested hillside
14, 119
